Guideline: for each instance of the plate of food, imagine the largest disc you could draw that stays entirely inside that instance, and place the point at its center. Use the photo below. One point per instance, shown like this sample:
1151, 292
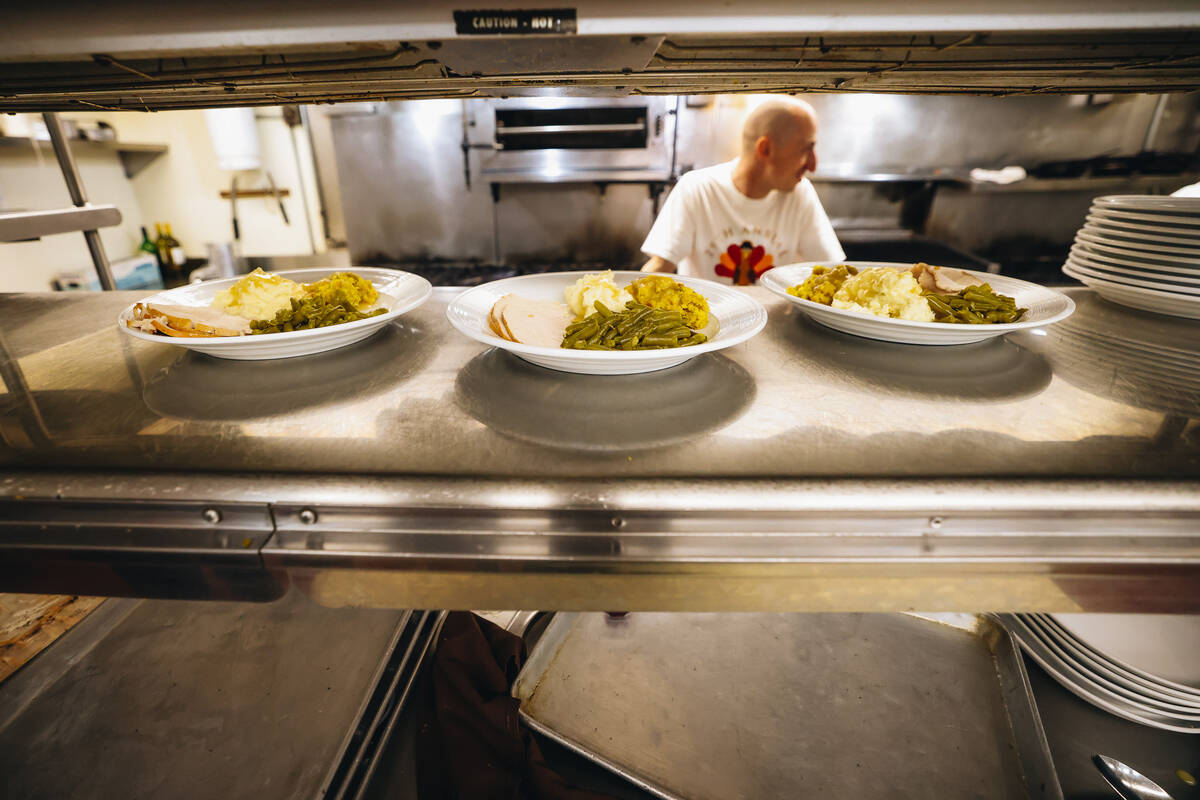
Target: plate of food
916, 303
276, 315
606, 323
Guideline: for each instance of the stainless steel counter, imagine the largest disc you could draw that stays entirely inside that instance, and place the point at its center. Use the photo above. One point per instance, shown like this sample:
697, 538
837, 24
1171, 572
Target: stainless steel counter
806, 469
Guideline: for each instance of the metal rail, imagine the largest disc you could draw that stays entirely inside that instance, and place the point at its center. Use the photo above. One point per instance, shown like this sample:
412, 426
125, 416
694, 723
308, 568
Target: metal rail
681, 545
66, 161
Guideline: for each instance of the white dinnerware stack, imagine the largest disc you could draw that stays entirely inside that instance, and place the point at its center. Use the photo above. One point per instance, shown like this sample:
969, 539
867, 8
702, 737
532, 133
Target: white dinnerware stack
1141, 251
1141, 667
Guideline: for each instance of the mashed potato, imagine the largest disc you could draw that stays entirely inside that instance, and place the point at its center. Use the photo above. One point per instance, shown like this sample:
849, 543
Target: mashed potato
885, 293
582, 295
258, 296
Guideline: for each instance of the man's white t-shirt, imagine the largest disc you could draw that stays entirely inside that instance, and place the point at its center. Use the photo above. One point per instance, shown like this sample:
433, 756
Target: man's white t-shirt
709, 229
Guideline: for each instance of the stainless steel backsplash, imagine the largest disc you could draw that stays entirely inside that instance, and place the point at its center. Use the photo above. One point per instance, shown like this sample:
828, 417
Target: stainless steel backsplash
403, 177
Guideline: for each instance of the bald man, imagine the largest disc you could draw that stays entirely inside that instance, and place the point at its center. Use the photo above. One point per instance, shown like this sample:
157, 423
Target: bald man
734, 221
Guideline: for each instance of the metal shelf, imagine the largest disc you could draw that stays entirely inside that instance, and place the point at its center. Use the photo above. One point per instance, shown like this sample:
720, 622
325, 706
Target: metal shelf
1099, 184
804, 470
135, 156
23, 226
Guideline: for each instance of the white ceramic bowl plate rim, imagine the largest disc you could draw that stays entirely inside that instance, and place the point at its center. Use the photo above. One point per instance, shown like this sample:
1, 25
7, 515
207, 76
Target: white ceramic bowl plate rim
1187, 236
1156, 203
1070, 676
1149, 279
405, 291
1168, 221
1175, 305
1105, 239
1115, 251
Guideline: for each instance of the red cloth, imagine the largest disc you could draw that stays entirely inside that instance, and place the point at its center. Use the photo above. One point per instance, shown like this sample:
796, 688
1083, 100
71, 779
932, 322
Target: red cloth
470, 743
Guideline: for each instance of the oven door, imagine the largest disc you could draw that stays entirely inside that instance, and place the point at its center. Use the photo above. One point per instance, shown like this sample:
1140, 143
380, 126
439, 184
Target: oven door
561, 139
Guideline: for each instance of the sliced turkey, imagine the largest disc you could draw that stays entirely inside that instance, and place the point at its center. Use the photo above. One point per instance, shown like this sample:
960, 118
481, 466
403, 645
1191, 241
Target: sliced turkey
536, 322
943, 280
496, 317
187, 321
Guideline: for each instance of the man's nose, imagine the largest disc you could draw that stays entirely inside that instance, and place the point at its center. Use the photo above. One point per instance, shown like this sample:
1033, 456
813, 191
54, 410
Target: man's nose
812, 160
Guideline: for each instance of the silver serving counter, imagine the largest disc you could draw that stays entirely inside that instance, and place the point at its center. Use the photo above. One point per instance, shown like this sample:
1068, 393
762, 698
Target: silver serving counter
804, 470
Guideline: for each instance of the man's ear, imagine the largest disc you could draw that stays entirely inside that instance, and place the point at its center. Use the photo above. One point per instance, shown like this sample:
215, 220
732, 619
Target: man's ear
762, 148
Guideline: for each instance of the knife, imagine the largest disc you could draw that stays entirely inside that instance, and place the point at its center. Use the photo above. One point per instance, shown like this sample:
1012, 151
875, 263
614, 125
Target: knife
1127, 781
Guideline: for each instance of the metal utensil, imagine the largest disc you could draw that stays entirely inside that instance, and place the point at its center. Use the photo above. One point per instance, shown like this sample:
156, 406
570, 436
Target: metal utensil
278, 198
1127, 781
237, 234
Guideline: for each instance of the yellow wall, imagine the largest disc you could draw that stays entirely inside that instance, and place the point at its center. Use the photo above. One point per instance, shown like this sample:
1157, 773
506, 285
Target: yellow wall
181, 187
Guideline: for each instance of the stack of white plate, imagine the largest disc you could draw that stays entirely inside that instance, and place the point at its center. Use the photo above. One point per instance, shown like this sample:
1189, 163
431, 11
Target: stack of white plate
1141, 251
1142, 667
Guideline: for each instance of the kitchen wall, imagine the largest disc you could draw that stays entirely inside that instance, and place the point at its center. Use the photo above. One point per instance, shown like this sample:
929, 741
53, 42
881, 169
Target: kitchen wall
401, 171
181, 187
32, 180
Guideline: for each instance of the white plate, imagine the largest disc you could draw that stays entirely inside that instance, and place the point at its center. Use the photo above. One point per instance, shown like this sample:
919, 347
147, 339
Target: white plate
1168, 221
1150, 203
737, 317
1141, 263
1071, 678
1166, 646
1143, 255
399, 292
1086, 655
1150, 699
1101, 237
1138, 230
1167, 276
1175, 305
1155, 278
1090, 268
1045, 306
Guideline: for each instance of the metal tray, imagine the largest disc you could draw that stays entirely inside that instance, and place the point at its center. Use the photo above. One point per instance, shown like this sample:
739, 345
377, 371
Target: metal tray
720, 706
166, 698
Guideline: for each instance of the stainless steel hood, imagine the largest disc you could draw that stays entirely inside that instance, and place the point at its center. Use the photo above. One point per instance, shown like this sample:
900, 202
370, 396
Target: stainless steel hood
132, 55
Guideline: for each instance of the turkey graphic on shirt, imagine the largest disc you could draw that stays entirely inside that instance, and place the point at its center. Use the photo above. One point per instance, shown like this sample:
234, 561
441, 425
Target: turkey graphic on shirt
744, 263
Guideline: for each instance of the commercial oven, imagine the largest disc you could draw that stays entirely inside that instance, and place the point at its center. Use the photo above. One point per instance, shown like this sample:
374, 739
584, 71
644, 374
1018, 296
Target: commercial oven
565, 139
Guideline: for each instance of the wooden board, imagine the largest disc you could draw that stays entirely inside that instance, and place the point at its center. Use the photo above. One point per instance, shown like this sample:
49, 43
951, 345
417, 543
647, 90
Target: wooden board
31, 622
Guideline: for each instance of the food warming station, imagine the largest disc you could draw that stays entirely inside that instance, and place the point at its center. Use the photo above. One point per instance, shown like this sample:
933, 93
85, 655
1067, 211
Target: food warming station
805, 470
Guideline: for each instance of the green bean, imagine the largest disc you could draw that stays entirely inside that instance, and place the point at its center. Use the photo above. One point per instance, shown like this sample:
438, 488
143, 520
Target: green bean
635, 317
974, 305
636, 327
579, 335
313, 312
